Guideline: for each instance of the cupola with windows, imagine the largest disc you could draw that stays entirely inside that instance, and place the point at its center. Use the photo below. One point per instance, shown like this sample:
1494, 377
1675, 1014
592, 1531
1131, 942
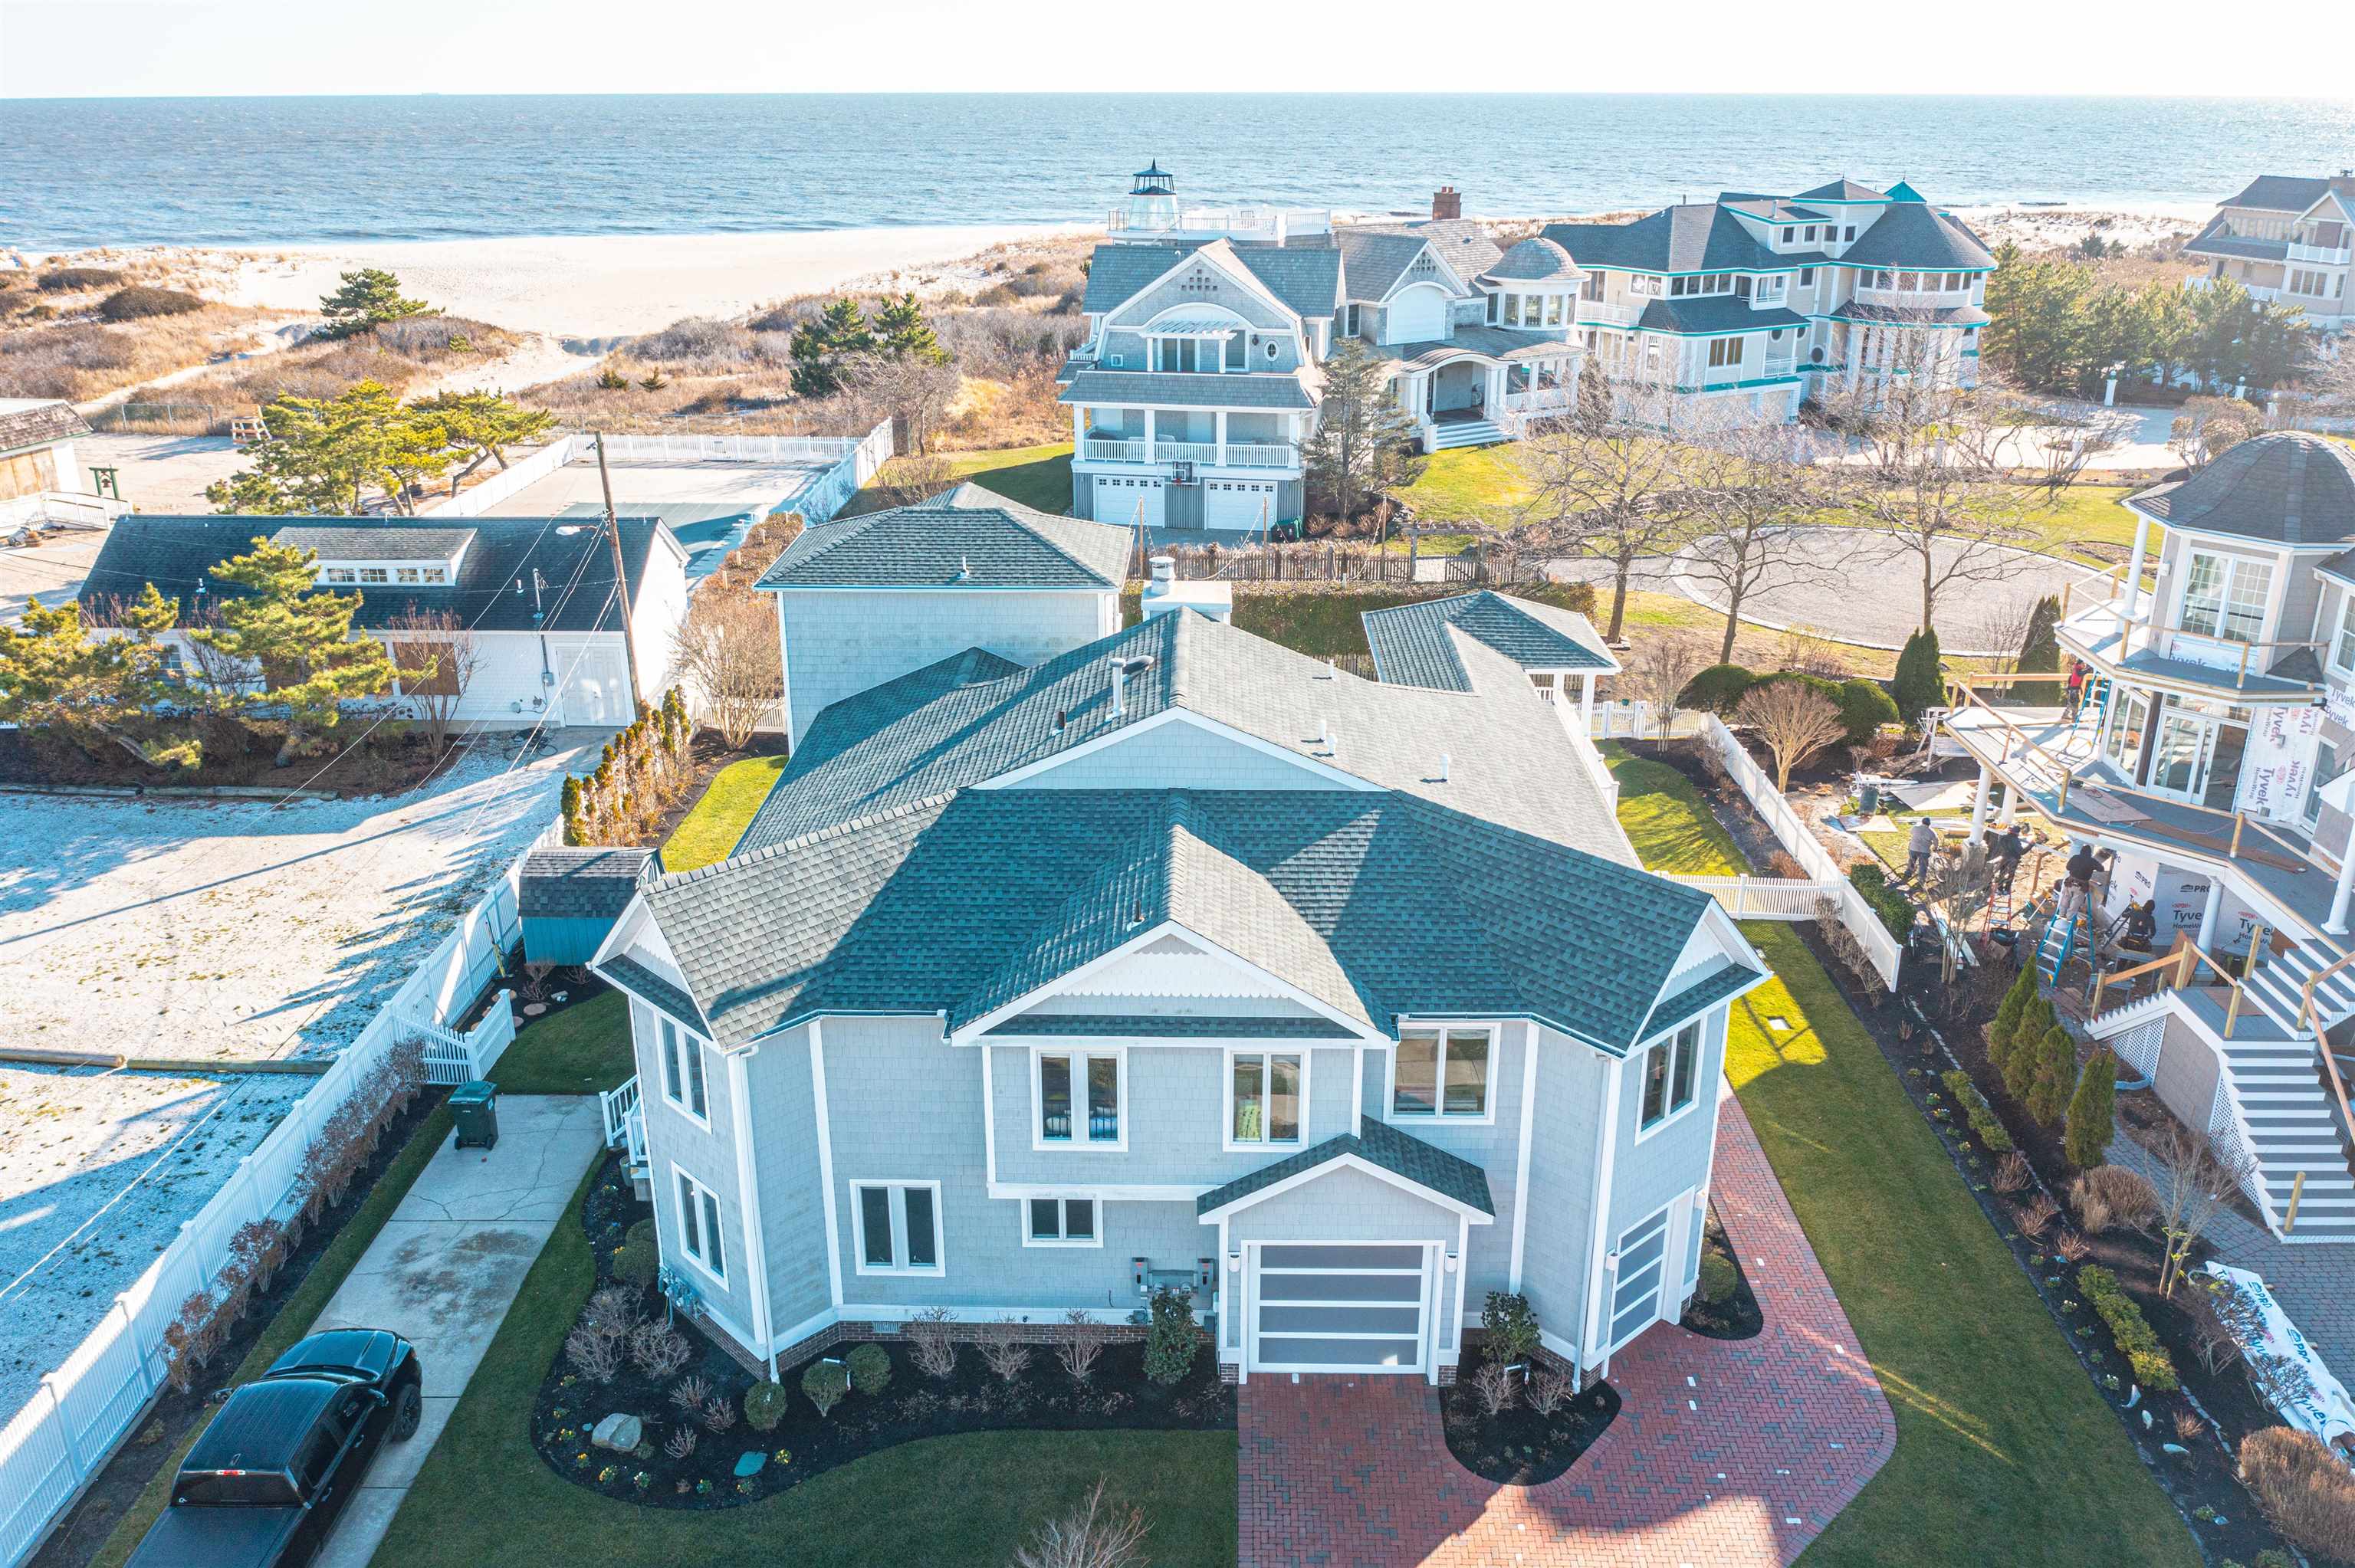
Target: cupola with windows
1153, 199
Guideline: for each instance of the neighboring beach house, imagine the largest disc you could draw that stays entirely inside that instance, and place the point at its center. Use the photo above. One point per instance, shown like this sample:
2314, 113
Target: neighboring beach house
537, 593
1180, 959
2289, 239
2219, 768
39, 474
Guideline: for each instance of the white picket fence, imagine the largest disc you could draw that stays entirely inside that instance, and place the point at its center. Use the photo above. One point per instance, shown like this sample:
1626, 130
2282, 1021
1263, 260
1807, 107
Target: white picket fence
1764, 897
66, 1433
1632, 720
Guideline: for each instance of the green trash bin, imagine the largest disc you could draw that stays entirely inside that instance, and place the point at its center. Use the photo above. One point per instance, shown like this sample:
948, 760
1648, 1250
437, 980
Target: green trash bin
474, 1107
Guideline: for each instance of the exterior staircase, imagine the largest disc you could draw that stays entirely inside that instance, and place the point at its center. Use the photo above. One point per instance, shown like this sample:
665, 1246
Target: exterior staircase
1466, 433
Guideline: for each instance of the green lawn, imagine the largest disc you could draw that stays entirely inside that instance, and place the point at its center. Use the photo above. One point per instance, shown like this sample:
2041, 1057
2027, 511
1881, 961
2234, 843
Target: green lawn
2005, 1453
302, 1307
578, 1050
707, 832
484, 1496
1037, 477
1468, 484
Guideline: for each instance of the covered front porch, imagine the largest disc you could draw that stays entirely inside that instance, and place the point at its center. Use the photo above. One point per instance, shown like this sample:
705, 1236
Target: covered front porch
1462, 393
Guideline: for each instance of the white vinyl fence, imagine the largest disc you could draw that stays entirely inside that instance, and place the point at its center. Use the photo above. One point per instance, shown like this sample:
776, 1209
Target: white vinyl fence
526, 470
67, 1431
1632, 720
1764, 897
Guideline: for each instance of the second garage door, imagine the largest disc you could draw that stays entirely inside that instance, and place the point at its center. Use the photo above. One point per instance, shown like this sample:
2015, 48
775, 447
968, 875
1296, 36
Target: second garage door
1340, 1309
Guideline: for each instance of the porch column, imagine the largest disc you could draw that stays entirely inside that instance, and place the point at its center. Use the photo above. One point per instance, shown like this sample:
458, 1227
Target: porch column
1499, 378
2010, 812
1148, 435
1219, 419
2337, 924
2210, 912
1980, 804
2134, 572
1079, 431
1586, 715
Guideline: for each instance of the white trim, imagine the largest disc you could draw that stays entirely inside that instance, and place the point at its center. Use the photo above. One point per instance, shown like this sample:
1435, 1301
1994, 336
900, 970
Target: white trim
1357, 1090
1486, 1116
1064, 1220
989, 1117
1599, 1222
1110, 1191
1081, 1054
705, 1220
1328, 771
897, 1187
1426, 1304
1347, 1162
1673, 1113
781, 589
663, 1043
1521, 1159
826, 1164
1228, 1142
1462, 1267
748, 1197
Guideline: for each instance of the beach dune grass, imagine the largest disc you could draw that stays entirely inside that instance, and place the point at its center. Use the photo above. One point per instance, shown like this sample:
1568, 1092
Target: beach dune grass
2005, 1452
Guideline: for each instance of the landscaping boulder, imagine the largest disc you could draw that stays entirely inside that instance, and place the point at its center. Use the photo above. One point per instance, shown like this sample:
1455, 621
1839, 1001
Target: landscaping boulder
748, 1464
618, 1432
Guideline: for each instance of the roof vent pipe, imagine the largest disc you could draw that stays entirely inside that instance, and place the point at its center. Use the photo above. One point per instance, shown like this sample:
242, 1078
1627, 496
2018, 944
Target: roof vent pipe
1119, 670
1164, 571
1443, 768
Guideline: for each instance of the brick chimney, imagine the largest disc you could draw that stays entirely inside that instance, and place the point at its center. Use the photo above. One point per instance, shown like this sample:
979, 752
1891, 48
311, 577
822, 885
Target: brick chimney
2343, 182
1445, 203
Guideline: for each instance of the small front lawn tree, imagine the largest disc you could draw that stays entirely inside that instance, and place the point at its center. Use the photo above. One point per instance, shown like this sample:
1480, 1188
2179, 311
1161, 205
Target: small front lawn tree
1792, 721
436, 654
1612, 487
1364, 444
726, 652
1660, 671
1919, 684
1512, 1327
299, 637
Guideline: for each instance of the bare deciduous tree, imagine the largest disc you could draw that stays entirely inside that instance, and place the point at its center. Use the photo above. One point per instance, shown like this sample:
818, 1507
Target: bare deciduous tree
1752, 488
909, 388
727, 658
2196, 1182
435, 654
1794, 722
1609, 486
910, 478
1096, 1534
1660, 670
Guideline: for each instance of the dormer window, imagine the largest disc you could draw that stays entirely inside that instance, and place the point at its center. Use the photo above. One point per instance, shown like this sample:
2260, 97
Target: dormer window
1788, 233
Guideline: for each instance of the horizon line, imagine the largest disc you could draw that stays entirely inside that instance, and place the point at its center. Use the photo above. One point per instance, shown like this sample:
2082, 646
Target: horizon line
8, 99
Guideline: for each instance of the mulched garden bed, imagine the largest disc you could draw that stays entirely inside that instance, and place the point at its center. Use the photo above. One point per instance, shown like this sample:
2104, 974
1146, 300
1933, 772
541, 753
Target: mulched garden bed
706, 756
396, 758
1737, 1315
1519, 1445
1929, 1031
912, 1405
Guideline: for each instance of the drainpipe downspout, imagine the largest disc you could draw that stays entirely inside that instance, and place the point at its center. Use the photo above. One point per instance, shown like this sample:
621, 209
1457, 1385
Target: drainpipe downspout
748, 1201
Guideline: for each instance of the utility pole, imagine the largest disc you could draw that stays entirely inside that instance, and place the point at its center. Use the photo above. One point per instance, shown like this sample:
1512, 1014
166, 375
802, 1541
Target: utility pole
621, 575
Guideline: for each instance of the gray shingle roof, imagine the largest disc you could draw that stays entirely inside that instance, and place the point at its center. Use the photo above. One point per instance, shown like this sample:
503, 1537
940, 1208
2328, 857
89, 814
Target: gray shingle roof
642, 983
1536, 259
967, 537
1695, 236
175, 554
1841, 189
1173, 1026
2214, 241
1913, 234
565, 882
38, 422
1714, 313
339, 544
1373, 259
2289, 487
1171, 388
1378, 1143
1497, 342
1306, 277
1931, 315
1412, 645
2280, 192
1703, 994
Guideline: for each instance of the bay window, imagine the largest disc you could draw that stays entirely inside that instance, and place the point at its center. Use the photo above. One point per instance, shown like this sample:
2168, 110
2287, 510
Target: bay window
1441, 1073
1669, 1072
1076, 1094
1267, 1097
2225, 596
898, 1226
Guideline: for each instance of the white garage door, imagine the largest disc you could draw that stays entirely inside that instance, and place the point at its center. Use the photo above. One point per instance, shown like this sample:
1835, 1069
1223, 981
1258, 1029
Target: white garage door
1339, 1309
1239, 502
1417, 314
1118, 500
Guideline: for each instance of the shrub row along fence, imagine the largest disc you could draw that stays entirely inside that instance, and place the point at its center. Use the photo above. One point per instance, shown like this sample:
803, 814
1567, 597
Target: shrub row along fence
1334, 562
66, 1432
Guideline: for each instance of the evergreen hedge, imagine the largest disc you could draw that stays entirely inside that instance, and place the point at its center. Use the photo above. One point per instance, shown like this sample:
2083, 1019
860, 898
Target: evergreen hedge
2137, 1340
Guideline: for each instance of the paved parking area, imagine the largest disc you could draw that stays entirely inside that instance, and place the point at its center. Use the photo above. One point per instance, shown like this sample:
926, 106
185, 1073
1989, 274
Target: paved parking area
1726, 1453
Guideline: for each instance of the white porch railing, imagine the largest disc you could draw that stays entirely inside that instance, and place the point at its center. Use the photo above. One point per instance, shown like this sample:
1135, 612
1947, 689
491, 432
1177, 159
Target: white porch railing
1261, 454
62, 508
1608, 313
1186, 452
2319, 255
633, 1139
616, 1106
455, 1057
1113, 448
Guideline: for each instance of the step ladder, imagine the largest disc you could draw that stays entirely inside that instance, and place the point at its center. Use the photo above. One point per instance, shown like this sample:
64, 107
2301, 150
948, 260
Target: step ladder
2064, 939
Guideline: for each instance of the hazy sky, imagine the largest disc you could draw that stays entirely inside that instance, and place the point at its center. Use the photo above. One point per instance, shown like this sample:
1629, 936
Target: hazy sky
139, 48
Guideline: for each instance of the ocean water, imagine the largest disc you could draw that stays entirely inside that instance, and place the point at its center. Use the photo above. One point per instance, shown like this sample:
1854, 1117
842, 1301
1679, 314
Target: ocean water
305, 170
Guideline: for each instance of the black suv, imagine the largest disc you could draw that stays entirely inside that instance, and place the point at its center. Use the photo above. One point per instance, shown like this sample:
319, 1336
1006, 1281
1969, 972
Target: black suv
264, 1485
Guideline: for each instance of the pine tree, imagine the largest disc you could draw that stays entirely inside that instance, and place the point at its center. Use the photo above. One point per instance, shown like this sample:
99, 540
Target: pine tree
2056, 1078
2039, 649
903, 333
299, 637
819, 347
1364, 443
2091, 1111
367, 297
574, 834
1919, 682
2026, 1058
2001, 1033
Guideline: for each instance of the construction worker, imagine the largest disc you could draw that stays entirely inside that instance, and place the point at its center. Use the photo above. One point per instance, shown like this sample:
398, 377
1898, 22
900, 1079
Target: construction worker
1919, 845
2077, 883
2075, 698
2005, 852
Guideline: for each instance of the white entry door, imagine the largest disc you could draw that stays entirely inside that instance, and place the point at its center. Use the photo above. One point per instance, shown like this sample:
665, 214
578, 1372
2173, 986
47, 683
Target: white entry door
1238, 503
596, 683
1334, 1308
1129, 501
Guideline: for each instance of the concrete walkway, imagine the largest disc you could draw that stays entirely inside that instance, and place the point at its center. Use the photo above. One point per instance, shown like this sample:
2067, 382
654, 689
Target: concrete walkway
446, 1267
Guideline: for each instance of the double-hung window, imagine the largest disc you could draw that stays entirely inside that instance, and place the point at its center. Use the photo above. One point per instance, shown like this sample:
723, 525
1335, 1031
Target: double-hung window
2225, 596
682, 1070
1267, 1097
1724, 351
1060, 1222
698, 1225
1078, 1097
898, 1226
1670, 1067
2342, 647
1441, 1073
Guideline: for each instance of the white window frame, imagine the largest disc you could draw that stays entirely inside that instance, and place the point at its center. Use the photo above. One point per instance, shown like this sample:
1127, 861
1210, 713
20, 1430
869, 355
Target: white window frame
2234, 567
1671, 1112
1228, 1141
1487, 1115
2343, 640
670, 1034
697, 1218
1076, 1143
1662, 1297
1063, 1238
899, 1191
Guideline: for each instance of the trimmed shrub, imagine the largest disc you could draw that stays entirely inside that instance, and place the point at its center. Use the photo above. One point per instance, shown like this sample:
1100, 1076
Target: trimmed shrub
1918, 683
1864, 708
78, 280
637, 1262
1895, 910
1170, 1344
2305, 1490
642, 1230
764, 1406
2056, 1078
825, 1383
870, 1367
1716, 688
2008, 1015
2091, 1111
1512, 1326
139, 303
1976, 1112
2029, 1052
1718, 1277
2137, 1340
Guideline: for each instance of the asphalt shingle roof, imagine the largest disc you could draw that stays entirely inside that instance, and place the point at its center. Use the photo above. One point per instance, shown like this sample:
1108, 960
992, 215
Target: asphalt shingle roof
176, 553
1694, 237
1307, 277
1534, 260
341, 543
1374, 260
1841, 189
1412, 645
641, 981
1913, 234
1496, 343
1174, 1026
1714, 313
2280, 192
1378, 1143
564, 882
967, 537
38, 422
2288, 487
1166, 388
1699, 996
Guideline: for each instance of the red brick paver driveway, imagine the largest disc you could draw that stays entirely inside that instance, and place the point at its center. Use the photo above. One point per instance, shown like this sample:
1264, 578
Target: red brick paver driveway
1724, 1453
